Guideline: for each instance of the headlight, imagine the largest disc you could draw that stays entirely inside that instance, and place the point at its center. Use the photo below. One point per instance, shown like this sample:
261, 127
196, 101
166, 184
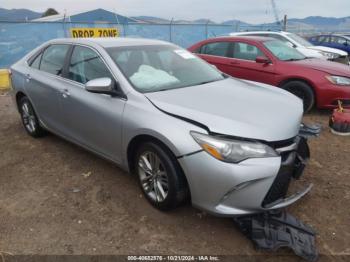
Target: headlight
329, 55
232, 151
339, 80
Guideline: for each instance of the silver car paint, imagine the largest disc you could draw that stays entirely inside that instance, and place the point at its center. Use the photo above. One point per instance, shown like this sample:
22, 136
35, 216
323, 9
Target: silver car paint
106, 125
227, 110
225, 189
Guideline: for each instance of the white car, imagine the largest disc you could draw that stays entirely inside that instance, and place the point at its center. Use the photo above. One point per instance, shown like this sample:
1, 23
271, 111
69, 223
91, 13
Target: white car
302, 45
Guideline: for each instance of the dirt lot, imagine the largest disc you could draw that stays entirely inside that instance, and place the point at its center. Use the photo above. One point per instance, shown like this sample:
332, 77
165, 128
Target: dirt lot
47, 205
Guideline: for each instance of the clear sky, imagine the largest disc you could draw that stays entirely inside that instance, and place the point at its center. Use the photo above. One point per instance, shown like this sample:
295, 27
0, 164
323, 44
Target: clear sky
252, 11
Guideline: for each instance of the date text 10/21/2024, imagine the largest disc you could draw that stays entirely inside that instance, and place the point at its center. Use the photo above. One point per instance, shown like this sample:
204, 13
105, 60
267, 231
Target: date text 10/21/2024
173, 258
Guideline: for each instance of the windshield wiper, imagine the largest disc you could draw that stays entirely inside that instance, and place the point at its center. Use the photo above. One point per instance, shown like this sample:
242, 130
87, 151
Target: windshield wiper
207, 82
295, 59
201, 83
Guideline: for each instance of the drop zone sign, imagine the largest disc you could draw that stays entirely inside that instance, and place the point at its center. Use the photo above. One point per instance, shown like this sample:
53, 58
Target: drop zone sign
94, 32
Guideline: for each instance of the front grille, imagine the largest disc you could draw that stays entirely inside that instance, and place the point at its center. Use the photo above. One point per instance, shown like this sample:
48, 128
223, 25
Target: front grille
281, 183
283, 143
292, 166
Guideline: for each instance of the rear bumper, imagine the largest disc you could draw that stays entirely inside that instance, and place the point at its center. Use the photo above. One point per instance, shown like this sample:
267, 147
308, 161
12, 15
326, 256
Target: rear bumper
252, 186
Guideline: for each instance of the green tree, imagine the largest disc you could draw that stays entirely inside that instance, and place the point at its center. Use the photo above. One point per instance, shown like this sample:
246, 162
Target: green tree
49, 11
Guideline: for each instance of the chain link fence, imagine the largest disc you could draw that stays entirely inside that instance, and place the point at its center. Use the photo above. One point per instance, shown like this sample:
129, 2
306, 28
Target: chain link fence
18, 38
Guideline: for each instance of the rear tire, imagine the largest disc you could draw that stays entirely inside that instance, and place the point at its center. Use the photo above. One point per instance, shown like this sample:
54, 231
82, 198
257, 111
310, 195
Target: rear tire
160, 176
29, 118
303, 91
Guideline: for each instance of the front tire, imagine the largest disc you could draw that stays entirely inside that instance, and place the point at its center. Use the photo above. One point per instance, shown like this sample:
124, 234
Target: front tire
160, 176
29, 118
303, 91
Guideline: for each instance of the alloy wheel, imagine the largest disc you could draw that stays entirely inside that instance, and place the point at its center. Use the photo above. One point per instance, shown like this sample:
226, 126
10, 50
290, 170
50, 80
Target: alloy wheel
153, 176
28, 116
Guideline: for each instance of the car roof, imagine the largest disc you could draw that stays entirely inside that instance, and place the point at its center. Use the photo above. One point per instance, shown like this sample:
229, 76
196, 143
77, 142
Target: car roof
243, 37
342, 35
259, 32
110, 42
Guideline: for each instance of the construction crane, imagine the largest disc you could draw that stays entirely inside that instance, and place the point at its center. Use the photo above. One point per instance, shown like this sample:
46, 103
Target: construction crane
283, 24
275, 12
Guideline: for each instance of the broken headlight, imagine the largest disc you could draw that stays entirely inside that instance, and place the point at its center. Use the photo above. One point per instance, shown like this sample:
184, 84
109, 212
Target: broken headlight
232, 151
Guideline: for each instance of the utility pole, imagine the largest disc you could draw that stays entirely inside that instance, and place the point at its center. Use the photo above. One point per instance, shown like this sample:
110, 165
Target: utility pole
285, 20
171, 30
275, 12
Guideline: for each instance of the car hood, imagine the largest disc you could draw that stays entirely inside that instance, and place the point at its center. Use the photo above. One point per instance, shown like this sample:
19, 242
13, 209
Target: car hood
330, 50
328, 67
310, 52
236, 108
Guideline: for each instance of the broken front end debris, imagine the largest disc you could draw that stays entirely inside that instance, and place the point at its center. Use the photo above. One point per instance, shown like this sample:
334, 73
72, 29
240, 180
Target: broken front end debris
272, 230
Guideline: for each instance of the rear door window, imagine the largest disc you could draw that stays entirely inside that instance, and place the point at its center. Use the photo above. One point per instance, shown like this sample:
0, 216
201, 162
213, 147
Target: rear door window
36, 63
53, 59
217, 49
321, 39
334, 39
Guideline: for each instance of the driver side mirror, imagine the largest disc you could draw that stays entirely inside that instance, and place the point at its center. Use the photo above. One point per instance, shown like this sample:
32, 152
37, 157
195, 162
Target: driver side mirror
262, 60
104, 85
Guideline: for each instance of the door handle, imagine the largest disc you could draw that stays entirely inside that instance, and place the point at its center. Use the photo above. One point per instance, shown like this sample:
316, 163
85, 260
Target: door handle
65, 93
234, 63
28, 77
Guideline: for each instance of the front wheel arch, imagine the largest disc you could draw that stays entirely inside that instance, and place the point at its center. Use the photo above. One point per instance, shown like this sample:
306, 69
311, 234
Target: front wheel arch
140, 140
286, 81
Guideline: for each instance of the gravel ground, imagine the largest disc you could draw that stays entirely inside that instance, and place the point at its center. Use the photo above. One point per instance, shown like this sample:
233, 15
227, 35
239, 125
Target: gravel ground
56, 198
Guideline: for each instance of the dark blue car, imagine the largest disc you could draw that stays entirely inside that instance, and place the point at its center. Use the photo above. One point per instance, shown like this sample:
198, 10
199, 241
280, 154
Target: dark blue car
335, 41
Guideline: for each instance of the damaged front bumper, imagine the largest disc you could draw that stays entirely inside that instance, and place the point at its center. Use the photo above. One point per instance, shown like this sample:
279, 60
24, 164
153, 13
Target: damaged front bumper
293, 163
252, 186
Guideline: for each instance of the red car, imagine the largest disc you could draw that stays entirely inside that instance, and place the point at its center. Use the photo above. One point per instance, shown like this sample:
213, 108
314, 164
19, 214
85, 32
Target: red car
317, 82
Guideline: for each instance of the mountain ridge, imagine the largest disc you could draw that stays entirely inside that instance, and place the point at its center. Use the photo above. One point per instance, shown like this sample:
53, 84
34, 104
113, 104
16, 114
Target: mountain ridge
310, 21
20, 14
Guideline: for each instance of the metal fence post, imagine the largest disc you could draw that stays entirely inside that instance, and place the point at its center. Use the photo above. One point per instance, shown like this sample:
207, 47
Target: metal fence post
64, 27
124, 28
237, 26
171, 30
206, 30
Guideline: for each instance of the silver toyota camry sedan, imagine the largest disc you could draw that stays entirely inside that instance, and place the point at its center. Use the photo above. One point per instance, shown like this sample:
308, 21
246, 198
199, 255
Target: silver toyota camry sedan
187, 130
